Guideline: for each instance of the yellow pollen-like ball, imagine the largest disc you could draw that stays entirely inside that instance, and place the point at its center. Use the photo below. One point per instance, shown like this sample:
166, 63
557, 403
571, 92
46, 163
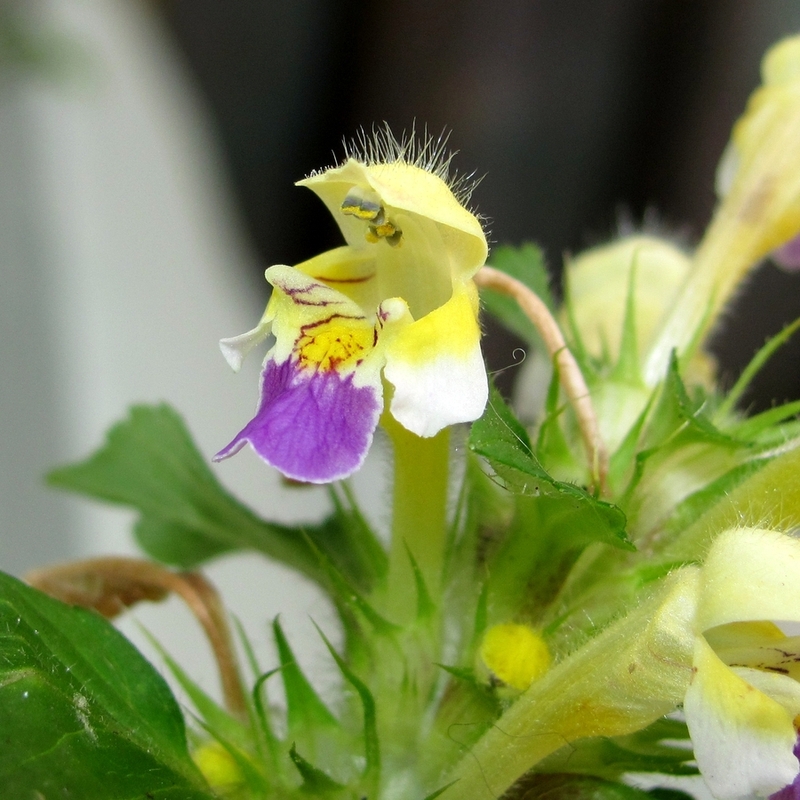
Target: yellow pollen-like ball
217, 765
515, 654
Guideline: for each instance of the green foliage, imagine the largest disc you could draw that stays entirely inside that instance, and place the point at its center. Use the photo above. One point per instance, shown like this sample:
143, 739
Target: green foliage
755, 366
654, 749
315, 781
502, 440
552, 523
81, 711
372, 752
305, 713
151, 464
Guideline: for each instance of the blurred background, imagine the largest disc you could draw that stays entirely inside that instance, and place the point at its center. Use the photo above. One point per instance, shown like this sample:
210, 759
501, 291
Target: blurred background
148, 151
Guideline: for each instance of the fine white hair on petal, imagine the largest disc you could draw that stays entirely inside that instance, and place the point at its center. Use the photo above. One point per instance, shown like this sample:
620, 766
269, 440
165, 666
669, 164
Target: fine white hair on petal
427, 151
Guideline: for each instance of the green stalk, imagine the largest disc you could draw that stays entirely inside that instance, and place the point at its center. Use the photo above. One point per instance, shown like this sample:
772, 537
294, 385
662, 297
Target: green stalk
419, 524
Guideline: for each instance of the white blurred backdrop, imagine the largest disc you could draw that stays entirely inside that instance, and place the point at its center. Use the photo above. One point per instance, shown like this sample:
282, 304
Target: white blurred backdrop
123, 262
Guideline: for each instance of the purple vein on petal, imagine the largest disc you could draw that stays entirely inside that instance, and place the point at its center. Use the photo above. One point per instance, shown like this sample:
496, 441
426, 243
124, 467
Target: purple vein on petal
312, 426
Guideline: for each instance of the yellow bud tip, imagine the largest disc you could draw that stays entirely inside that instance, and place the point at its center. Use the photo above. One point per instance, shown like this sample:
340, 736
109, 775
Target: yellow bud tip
782, 62
515, 654
217, 765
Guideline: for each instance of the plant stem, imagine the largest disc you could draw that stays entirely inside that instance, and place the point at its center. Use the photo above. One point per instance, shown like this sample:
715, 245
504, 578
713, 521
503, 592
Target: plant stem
419, 525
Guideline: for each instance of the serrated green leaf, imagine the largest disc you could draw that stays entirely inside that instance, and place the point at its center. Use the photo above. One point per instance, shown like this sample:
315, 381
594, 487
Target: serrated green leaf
81, 711
500, 438
526, 264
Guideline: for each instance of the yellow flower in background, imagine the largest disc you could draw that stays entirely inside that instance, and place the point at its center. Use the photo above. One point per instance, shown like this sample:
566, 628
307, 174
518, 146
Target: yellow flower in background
759, 169
759, 181
396, 302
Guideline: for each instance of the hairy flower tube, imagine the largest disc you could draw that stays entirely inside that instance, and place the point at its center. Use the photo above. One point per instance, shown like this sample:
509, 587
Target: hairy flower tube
396, 302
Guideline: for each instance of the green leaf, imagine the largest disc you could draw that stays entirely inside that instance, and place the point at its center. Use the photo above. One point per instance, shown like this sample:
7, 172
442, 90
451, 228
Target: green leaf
218, 721
426, 608
765, 427
754, 367
372, 752
675, 414
623, 462
315, 781
150, 463
653, 749
526, 264
768, 498
628, 369
700, 502
305, 711
526, 571
262, 718
81, 711
551, 443
500, 438
349, 542
347, 595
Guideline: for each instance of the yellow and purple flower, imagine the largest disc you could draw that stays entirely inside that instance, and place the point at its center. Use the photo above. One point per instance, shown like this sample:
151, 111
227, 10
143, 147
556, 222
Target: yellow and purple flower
397, 302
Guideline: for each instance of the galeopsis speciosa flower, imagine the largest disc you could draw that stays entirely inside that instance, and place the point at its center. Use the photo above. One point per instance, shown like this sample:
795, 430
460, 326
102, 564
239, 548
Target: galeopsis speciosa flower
395, 303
